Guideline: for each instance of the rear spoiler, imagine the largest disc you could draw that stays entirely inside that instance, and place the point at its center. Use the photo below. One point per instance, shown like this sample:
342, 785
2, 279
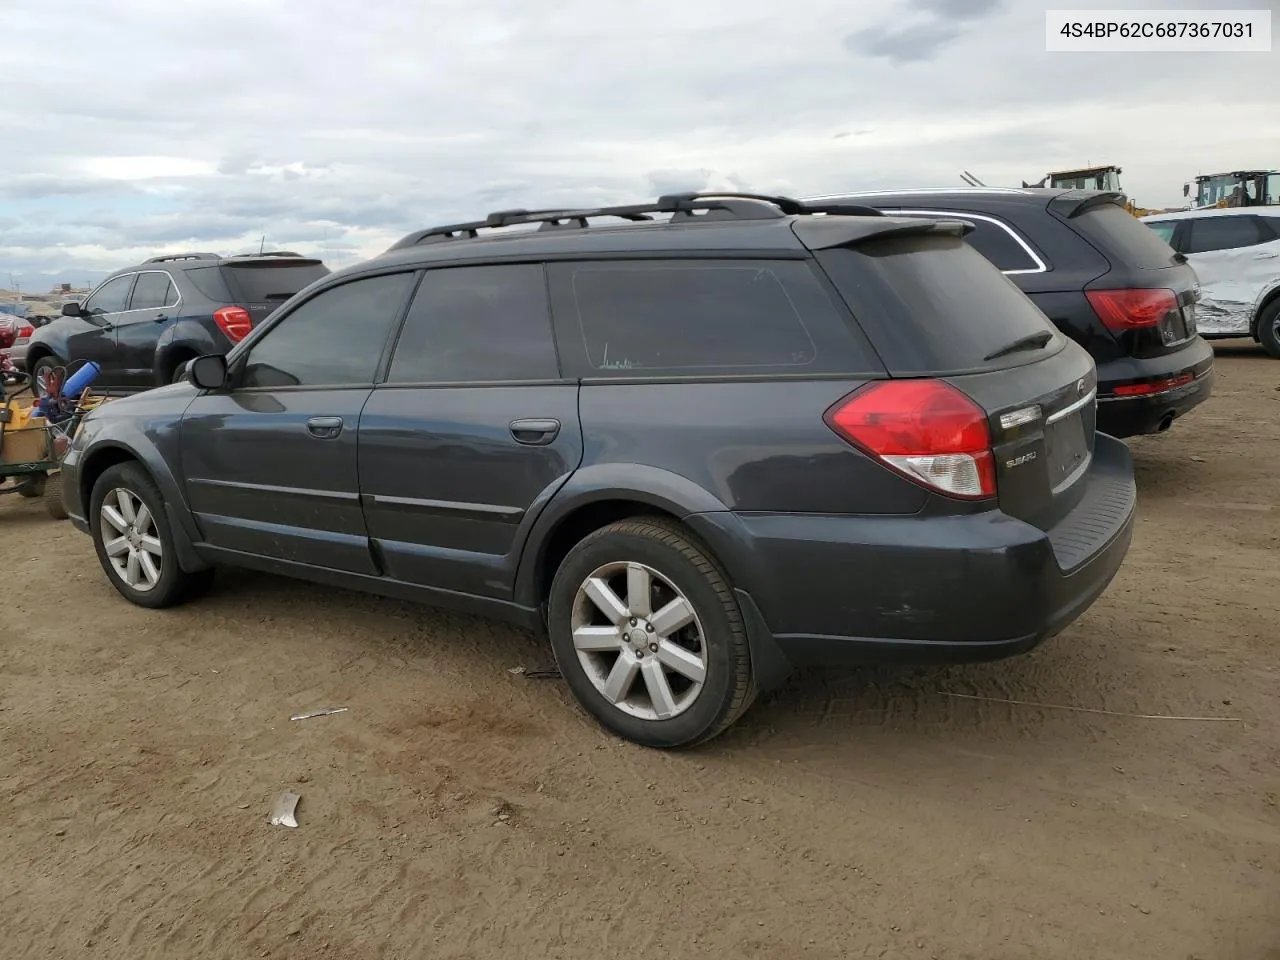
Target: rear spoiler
1075, 202
823, 233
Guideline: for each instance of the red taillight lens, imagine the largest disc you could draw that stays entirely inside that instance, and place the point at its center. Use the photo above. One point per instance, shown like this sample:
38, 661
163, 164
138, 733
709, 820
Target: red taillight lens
26, 331
235, 322
1152, 386
926, 430
1121, 310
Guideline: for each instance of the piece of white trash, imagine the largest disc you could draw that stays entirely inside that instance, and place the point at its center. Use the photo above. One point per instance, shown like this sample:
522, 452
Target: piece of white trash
327, 711
282, 814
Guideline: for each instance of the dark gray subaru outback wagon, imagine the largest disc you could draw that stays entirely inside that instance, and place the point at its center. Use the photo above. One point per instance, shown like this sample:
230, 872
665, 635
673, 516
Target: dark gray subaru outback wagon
700, 442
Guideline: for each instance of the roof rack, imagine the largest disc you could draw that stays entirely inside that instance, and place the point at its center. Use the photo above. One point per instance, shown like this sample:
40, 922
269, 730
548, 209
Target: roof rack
681, 206
183, 256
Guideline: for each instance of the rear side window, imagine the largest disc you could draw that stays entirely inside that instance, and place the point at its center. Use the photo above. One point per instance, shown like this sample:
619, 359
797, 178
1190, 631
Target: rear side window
992, 238
271, 281
706, 317
1222, 233
1123, 237
1164, 229
934, 304
477, 323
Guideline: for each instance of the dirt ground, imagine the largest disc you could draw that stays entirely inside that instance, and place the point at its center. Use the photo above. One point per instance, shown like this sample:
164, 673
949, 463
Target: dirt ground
460, 811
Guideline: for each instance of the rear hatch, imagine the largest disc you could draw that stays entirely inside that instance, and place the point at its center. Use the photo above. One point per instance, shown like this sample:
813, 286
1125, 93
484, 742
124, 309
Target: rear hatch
262, 283
934, 308
1147, 298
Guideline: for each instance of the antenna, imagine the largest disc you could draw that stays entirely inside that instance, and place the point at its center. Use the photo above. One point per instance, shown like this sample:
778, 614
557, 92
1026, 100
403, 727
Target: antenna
970, 179
263, 245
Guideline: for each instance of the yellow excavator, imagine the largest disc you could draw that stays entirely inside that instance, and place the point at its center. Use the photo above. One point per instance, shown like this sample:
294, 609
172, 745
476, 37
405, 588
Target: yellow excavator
1090, 178
1242, 188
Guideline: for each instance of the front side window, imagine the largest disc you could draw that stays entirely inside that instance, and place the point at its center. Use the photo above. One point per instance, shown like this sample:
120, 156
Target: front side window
1222, 233
153, 291
334, 339
482, 323
110, 297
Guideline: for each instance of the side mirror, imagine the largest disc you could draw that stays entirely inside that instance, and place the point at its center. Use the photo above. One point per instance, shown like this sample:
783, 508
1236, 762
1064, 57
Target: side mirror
1186, 189
72, 309
208, 372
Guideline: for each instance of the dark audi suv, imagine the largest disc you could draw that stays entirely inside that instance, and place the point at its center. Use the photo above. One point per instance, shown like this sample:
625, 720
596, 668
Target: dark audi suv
142, 324
1104, 278
699, 442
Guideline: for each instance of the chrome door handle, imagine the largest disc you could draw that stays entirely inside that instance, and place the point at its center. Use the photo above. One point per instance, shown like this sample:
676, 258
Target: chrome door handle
325, 428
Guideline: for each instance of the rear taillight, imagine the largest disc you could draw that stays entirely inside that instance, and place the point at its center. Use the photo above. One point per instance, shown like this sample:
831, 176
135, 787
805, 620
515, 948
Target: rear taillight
235, 322
1121, 310
26, 332
926, 430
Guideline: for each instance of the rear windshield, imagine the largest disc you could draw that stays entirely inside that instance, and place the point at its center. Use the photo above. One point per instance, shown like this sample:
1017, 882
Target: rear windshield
272, 281
934, 305
1123, 239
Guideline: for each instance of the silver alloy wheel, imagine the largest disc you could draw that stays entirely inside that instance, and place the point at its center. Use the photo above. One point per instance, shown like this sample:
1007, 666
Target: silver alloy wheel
42, 382
135, 551
639, 641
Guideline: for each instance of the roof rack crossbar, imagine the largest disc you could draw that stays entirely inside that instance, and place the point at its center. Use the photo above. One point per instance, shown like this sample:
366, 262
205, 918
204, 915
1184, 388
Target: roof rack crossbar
681, 206
184, 256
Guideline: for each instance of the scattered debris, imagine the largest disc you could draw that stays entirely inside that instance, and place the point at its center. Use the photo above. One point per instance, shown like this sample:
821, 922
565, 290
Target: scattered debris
537, 673
326, 712
283, 813
1199, 460
1107, 713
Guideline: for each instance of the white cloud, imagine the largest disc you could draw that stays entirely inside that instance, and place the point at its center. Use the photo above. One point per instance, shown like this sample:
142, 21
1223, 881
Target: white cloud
336, 126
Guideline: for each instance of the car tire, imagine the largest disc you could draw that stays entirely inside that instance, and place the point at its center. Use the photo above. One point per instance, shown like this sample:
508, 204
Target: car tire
40, 371
136, 550
180, 371
53, 502
669, 664
1269, 329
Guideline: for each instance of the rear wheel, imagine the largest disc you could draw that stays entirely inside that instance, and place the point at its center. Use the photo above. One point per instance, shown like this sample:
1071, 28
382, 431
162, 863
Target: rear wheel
180, 371
1269, 329
134, 543
648, 635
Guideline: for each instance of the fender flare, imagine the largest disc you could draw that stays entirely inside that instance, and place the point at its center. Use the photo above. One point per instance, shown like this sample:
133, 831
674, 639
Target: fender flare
129, 440
665, 491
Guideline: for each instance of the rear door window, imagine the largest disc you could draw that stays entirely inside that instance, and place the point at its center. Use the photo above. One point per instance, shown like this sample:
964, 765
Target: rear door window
1222, 233
153, 291
934, 304
271, 281
704, 318
485, 323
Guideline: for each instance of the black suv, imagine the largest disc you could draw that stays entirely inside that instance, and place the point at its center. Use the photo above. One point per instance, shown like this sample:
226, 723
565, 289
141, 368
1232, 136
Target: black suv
141, 325
1104, 278
699, 450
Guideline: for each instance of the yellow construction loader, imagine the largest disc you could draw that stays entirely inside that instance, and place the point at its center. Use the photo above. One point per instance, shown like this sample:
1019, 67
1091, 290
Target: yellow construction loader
1090, 178
1243, 188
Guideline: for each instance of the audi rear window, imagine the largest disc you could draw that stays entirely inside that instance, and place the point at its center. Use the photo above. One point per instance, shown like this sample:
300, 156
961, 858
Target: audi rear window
272, 281
934, 305
1123, 238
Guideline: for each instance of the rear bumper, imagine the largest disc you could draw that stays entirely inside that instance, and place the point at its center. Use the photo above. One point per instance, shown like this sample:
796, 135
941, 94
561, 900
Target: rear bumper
846, 589
1131, 416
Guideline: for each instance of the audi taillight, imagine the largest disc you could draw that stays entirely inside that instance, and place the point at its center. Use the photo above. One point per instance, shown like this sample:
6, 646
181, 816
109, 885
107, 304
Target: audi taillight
926, 430
235, 322
1121, 310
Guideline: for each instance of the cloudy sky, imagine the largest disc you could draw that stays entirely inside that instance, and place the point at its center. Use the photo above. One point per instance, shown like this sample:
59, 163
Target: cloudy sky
132, 127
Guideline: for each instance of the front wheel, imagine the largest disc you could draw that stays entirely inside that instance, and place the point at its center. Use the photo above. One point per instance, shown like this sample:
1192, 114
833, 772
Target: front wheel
40, 372
648, 635
133, 541
1269, 329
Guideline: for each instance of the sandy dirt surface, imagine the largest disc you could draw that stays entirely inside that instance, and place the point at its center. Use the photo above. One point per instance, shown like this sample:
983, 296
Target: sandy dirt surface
460, 811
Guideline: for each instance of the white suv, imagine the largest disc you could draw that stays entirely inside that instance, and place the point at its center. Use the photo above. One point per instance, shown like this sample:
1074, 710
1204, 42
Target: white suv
1236, 254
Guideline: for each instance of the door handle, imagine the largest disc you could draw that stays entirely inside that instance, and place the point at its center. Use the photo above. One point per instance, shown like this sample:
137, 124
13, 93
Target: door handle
1265, 256
161, 318
535, 433
325, 428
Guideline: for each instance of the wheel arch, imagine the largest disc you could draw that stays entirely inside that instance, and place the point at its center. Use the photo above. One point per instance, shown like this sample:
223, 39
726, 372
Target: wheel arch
1268, 297
102, 457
